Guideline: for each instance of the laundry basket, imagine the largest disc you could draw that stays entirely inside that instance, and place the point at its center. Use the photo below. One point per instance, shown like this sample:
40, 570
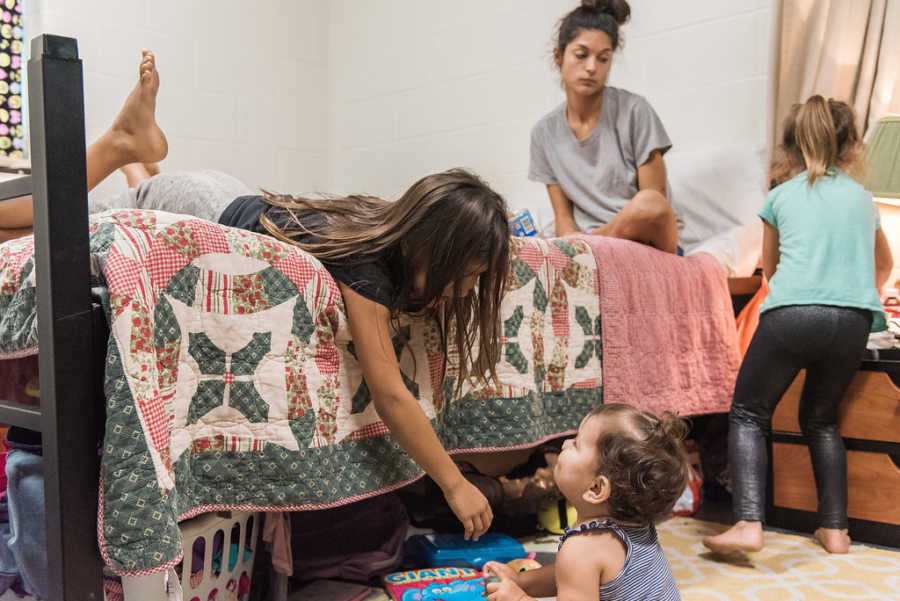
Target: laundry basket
219, 549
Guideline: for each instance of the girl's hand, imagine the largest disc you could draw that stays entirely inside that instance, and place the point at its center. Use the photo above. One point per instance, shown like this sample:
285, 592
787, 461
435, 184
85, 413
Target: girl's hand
470, 507
505, 590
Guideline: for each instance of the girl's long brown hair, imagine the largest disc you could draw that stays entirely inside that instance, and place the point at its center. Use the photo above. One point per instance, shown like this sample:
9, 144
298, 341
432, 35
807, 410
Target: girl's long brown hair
444, 225
817, 136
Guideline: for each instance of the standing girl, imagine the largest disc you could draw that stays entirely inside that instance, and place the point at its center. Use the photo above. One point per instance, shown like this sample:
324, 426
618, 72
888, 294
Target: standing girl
600, 152
825, 257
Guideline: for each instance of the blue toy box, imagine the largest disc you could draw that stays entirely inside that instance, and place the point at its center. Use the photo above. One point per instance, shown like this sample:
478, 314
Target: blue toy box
452, 550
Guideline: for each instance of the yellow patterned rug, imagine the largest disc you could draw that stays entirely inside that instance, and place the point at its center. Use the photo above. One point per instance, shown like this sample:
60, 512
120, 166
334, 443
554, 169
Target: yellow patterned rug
790, 567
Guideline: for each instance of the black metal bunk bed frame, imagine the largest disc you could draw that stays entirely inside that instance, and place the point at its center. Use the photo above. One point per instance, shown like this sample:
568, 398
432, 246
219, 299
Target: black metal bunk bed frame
72, 328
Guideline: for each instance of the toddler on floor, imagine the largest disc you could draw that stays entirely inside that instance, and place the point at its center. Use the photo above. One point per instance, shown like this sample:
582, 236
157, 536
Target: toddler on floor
622, 472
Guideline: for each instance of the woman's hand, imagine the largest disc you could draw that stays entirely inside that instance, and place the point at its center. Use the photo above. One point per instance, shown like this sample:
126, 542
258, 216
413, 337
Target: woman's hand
508, 588
470, 507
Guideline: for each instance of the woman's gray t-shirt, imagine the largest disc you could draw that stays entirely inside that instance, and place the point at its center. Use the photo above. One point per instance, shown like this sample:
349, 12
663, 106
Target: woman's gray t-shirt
598, 174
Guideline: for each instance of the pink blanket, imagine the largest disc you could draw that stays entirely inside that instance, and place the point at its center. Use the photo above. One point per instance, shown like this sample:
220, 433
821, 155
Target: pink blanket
669, 338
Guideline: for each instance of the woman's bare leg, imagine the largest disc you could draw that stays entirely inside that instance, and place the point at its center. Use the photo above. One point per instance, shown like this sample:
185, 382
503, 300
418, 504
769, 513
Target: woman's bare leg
134, 137
10, 234
16, 214
648, 218
135, 173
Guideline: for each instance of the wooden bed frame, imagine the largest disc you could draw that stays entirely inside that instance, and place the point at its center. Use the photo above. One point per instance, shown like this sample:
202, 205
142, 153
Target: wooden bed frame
71, 327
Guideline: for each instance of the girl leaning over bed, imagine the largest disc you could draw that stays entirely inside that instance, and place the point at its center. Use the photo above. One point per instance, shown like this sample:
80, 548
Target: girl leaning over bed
825, 256
440, 250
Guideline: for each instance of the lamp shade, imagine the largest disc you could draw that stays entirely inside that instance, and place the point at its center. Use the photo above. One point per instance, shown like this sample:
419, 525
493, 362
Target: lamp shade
883, 158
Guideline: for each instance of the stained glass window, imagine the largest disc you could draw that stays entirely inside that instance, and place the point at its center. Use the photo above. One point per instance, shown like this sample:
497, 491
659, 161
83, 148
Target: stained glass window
12, 131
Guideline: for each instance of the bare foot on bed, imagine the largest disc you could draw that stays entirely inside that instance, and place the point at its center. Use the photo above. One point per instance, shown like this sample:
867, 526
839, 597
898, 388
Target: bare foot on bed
833, 539
743, 536
137, 136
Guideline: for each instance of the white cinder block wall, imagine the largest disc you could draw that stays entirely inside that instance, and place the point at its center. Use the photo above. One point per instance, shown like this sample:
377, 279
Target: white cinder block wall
369, 95
245, 86
423, 85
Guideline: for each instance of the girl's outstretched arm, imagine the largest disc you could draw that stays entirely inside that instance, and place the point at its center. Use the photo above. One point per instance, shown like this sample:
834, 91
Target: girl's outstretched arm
370, 328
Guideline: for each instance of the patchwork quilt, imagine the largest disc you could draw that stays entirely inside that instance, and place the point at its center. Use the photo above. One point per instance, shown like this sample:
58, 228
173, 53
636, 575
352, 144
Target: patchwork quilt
231, 379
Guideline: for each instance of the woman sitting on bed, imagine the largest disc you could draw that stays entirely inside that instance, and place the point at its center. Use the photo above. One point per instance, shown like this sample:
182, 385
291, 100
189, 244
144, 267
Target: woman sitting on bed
600, 152
426, 253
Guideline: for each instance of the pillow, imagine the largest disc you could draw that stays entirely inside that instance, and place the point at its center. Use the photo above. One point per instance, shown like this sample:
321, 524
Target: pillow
716, 190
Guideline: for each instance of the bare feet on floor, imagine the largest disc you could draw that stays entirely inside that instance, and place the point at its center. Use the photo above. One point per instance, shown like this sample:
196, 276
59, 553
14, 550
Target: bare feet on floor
134, 131
833, 539
743, 536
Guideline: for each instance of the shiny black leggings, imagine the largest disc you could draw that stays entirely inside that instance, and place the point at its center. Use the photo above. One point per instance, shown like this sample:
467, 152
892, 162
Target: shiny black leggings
828, 342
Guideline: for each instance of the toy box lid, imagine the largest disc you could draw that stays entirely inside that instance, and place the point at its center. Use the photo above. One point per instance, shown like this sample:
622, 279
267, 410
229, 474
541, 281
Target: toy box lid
441, 550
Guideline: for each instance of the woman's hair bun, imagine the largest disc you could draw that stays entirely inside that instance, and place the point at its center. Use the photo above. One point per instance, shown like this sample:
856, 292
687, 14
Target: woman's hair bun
617, 9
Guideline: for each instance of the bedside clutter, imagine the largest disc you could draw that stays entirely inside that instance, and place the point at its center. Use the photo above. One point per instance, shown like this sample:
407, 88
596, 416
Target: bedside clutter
870, 424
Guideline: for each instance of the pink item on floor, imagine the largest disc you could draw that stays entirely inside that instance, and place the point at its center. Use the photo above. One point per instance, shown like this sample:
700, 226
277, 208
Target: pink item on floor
669, 337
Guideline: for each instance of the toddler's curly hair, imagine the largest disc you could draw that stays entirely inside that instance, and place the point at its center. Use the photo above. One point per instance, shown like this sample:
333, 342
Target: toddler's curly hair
644, 461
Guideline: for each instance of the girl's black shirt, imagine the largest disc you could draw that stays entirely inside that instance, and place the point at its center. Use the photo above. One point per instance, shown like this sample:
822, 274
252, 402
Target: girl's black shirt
374, 276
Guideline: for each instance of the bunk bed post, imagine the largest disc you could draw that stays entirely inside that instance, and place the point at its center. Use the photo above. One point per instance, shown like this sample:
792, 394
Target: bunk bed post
65, 329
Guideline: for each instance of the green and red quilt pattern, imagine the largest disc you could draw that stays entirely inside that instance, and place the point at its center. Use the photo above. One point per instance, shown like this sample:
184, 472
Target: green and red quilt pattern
231, 379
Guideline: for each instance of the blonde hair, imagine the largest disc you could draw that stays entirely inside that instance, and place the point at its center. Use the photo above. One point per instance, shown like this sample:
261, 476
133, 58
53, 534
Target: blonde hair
818, 136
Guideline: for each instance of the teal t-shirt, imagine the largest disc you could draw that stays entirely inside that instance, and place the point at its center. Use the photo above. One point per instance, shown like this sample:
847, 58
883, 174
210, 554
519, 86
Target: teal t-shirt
826, 235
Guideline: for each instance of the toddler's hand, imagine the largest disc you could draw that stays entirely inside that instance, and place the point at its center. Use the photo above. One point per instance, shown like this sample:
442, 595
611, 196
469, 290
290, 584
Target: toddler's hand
505, 590
502, 583
500, 572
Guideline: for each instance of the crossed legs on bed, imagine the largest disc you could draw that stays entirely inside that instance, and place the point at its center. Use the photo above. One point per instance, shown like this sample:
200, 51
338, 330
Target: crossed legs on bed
648, 218
133, 143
